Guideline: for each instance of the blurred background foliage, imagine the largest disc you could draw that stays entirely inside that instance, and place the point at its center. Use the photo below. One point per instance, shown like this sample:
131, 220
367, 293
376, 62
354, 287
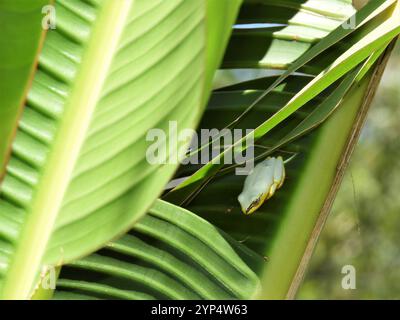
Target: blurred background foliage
363, 227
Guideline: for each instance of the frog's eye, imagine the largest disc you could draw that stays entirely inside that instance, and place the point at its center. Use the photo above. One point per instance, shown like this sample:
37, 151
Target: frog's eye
252, 207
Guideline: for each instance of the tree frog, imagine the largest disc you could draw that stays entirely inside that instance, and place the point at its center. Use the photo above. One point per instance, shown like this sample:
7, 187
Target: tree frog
261, 184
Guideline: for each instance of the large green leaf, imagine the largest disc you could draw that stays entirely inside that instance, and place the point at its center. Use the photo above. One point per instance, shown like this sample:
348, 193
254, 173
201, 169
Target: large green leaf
169, 254
78, 175
285, 31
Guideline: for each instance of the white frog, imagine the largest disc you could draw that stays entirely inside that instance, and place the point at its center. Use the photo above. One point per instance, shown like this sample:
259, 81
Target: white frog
261, 184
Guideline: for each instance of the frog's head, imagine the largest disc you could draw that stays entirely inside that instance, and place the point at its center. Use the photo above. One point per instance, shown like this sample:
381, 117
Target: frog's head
249, 203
